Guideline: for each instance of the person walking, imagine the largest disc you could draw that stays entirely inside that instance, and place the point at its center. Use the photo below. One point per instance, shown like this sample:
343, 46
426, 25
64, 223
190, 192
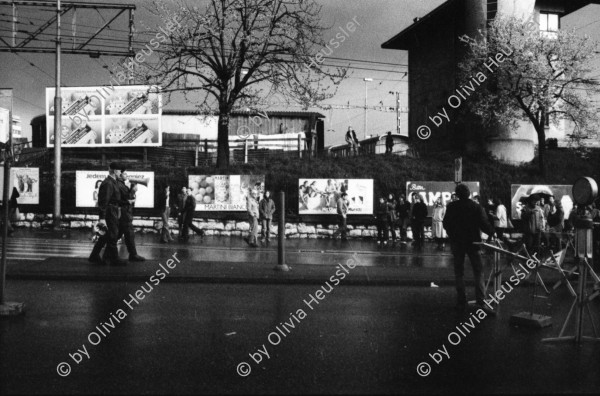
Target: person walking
126, 230
253, 213
391, 217
189, 209
417, 220
165, 213
109, 213
125, 224
179, 208
464, 221
389, 143
381, 215
266, 208
439, 211
342, 212
403, 211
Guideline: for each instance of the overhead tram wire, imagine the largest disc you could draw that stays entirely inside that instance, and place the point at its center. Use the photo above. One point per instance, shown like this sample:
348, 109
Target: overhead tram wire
352, 67
34, 65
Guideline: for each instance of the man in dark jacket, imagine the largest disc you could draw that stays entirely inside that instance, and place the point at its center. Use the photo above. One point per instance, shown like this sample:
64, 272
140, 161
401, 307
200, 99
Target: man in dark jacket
109, 205
464, 221
188, 216
382, 221
389, 143
403, 210
417, 220
266, 208
179, 208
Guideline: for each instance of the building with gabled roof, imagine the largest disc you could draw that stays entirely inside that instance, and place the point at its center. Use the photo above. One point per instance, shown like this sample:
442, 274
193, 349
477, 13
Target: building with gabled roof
435, 50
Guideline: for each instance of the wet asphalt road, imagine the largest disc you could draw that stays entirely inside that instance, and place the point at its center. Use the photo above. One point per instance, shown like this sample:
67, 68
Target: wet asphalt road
190, 338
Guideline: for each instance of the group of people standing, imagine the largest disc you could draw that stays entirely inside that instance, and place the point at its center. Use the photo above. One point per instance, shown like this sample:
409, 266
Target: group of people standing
259, 209
540, 217
391, 213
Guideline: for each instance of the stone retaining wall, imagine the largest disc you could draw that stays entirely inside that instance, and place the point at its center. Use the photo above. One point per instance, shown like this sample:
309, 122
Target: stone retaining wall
210, 226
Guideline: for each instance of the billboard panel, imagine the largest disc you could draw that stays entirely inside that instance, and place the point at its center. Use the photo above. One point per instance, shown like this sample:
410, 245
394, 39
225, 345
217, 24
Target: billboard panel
87, 184
4, 124
27, 183
107, 116
430, 191
224, 192
562, 193
319, 196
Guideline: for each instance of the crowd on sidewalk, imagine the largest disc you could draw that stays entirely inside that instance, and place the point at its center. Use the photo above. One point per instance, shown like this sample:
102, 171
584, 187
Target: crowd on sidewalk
543, 219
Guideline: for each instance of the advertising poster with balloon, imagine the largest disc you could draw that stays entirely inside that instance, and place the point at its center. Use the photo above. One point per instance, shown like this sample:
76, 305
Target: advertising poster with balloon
225, 192
520, 193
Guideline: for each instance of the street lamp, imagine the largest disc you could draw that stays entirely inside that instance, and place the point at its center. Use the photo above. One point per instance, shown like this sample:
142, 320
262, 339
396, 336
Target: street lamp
366, 80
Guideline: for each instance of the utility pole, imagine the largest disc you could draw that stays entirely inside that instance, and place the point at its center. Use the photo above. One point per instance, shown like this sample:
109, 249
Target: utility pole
7, 308
397, 110
366, 80
57, 126
92, 45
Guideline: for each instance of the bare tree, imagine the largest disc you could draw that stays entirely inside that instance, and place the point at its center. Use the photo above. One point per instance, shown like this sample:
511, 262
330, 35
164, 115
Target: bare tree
236, 53
531, 76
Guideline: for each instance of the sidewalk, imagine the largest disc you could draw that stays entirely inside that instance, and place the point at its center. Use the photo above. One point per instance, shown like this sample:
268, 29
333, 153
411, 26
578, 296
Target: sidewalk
231, 260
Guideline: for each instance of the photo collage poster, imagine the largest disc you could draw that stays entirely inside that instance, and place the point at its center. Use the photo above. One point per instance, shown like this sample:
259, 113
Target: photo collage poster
225, 192
107, 116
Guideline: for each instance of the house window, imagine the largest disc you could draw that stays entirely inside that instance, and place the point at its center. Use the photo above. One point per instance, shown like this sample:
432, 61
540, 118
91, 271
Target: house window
549, 24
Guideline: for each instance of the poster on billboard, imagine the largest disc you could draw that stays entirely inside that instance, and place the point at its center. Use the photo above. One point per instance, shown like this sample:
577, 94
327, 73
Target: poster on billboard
107, 116
136, 131
87, 184
78, 135
519, 193
320, 196
430, 191
4, 124
27, 183
224, 192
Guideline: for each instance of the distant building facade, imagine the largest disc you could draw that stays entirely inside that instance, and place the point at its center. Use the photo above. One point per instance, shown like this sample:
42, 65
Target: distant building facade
435, 50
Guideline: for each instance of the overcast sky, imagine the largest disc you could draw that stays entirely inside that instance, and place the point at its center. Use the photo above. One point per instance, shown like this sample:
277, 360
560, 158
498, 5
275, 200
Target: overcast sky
379, 21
